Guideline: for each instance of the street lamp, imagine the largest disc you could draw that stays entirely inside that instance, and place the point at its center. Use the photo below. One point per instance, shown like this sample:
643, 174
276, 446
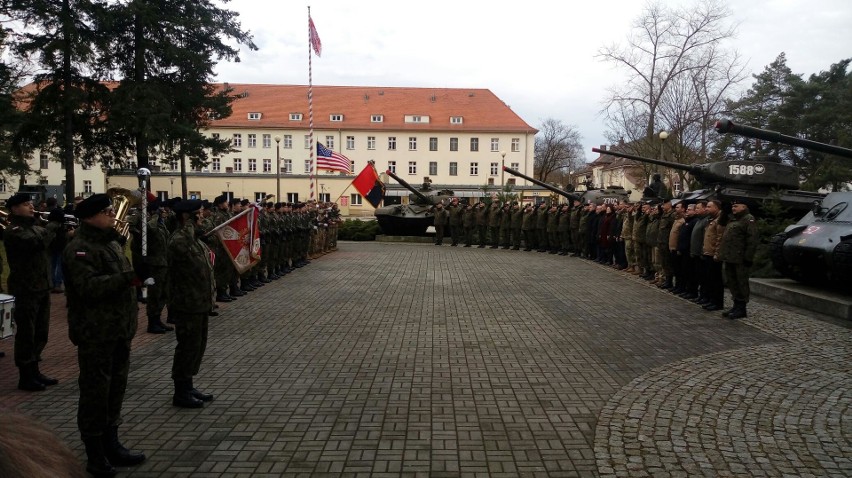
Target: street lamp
502, 165
277, 168
172, 187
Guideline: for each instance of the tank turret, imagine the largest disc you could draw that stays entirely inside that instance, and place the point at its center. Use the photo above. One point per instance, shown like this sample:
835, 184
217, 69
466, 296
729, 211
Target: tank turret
418, 196
414, 218
597, 196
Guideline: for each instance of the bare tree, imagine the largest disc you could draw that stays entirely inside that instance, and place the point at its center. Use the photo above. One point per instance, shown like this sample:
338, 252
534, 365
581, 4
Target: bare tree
557, 148
677, 75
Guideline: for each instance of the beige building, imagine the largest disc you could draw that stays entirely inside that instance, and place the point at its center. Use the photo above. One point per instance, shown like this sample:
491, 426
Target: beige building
458, 137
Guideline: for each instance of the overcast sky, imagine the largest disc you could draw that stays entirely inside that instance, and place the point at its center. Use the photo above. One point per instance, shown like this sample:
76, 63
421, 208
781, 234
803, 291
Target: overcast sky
537, 56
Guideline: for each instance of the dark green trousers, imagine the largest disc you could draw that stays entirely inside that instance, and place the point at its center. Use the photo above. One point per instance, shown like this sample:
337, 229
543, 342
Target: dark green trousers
157, 293
104, 367
32, 322
736, 279
191, 334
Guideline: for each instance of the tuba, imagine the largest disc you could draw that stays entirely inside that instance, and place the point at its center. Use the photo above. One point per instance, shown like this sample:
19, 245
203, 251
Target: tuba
122, 201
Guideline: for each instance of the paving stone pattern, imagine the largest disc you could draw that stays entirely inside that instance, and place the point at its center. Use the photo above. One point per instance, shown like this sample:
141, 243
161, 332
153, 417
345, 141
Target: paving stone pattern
417, 360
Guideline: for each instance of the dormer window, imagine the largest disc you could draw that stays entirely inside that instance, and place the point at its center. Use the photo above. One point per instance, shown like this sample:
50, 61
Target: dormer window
255, 116
295, 116
416, 119
336, 118
377, 118
456, 120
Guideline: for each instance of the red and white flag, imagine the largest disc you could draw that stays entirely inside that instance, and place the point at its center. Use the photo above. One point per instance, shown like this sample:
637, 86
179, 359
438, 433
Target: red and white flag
241, 238
314, 37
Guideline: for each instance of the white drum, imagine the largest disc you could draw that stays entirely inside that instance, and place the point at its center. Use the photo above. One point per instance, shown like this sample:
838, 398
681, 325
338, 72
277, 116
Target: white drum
7, 316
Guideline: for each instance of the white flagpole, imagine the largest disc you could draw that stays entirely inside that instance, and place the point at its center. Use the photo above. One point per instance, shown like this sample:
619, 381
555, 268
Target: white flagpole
311, 102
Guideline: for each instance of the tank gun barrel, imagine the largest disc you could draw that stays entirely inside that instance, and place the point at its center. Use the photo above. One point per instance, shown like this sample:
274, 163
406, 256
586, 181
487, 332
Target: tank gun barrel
514, 172
660, 162
728, 126
405, 184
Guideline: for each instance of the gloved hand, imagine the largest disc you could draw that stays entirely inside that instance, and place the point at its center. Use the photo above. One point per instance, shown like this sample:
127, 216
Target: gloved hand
148, 282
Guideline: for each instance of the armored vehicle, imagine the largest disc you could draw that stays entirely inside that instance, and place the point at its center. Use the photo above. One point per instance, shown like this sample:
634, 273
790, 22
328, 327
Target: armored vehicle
597, 196
818, 248
750, 181
414, 218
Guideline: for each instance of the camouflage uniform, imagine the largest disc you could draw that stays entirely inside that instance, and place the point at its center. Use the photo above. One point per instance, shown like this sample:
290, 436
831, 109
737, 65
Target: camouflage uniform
736, 251
517, 226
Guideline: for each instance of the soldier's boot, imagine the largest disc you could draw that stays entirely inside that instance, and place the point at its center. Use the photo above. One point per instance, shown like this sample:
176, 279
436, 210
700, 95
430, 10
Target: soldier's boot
116, 453
262, 277
40, 377
236, 292
222, 295
183, 395
739, 311
27, 380
730, 311
154, 325
204, 397
98, 464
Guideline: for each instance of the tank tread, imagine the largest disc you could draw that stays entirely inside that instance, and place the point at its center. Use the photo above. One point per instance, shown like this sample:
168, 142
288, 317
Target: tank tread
842, 262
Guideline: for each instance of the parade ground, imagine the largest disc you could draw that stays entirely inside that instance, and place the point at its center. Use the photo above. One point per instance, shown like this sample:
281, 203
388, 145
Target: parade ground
397, 360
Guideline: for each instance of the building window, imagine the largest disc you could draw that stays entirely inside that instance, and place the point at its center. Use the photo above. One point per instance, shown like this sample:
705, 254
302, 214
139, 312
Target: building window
454, 168
307, 141
259, 196
355, 200
495, 144
350, 142
392, 166
292, 197
515, 166
87, 186
267, 140
252, 140
252, 166
173, 164
474, 169
454, 144
254, 116
295, 116
237, 142
43, 162
412, 143
433, 168
495, 167
2, 185
392, 143
324, 197
307, 166
238, 165
412, 167
433, 144
516, 145
456, 120
287, 167
267, 165
510, 181
215, 136
474, 144
329, 142
216, 165
336, 118
377, 118
288, 141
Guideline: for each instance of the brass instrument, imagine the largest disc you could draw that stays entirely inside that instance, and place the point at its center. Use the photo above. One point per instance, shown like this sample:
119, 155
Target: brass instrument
69, 220
4, 219
122, 200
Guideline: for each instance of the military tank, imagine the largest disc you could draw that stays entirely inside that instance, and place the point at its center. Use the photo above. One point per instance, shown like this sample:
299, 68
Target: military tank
414, 218
752, 182
818, 248
611, 195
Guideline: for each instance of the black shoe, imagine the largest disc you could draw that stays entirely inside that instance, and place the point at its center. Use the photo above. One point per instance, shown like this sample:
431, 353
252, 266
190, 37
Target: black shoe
186, 400
468, 245
481, 246
116, 453
213, 313
204, 397
44, 378
237, 293
156, 329
739, 311
97, 464
28, 381
712, 307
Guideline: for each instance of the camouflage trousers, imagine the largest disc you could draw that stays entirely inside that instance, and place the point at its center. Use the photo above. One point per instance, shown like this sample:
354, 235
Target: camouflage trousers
157, 293
630, 251
104, 367
32, 321
191, 335
736, 280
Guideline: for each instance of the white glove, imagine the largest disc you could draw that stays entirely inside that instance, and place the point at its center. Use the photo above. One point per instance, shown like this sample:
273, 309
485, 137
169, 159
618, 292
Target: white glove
148, 282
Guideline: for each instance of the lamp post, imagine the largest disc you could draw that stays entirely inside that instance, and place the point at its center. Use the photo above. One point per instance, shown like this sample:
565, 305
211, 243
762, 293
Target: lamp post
277, 168
172, 187
502, 165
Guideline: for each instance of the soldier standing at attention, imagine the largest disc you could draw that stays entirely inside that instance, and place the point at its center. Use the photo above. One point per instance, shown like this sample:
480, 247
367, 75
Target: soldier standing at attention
441, 218
190, 291
736, 251
517, 225
102, 313
29, 271
455, 212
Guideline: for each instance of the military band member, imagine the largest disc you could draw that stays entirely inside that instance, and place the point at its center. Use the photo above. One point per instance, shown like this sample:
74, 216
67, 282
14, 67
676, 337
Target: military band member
102, 311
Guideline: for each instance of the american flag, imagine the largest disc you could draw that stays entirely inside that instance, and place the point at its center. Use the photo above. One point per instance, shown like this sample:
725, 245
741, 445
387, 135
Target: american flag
315, 39
328, 159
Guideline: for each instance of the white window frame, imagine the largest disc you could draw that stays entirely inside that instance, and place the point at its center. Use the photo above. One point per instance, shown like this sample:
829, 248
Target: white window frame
307, 141
287, 166
495, 167
392, 166
433, 144
259, 196
252, 165
516, 145
515, 166
371, 142
474, 168
295, 116
216, 165
43, 161
356, 200
474, 145
255, 116
238, 165
456, 119
454, 168
287, 141
391, 143
267, 165
252, 140
454, 144
433, 168
412, 143
307, 166
237, 140
495, 145
87, 186
377, 118
412, 168
292, 197
336, 118
267, 140
329, 142
350, 142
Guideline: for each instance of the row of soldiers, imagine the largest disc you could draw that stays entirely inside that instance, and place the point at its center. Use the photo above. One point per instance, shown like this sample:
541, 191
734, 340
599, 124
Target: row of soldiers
677, 246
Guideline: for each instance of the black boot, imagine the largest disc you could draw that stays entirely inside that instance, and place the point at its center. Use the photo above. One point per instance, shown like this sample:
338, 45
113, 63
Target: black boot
204, 397
730, 311
739, 310
98, 464
154, 325
116, 453
44, 378
183, 397
27, 380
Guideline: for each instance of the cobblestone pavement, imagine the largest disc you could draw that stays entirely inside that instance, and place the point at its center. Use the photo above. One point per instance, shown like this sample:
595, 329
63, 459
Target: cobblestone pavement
416, 360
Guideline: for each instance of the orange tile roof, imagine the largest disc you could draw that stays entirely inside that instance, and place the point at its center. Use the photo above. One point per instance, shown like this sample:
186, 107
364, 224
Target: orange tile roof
480, 109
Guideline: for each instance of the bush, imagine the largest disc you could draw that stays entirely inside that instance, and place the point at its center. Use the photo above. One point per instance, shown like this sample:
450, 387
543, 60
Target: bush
355, 230
774, 220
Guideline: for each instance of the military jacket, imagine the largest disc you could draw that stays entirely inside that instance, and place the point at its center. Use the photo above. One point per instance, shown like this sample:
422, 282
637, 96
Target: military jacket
652, 232
441, 217
552, 221
99, 285
517, 218
455, 215
528, 222
505, 219
541, 219
469, 218
26, 250
640, 226
190, 272
494, 216
665, 223
564, 220
739, 241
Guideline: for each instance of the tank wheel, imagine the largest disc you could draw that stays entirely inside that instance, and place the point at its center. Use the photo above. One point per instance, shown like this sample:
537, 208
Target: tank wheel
776, 254
841, 259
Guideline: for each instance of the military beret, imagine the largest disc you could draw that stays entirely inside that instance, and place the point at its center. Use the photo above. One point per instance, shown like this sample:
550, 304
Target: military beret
205, 204
244, 202
189, 206
17, 199
220, 199
92, 205
234, 201
154, 205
